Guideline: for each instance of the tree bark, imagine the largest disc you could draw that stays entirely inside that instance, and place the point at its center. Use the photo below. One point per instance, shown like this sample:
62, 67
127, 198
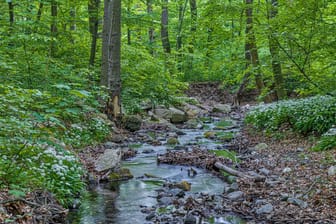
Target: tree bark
93, 9
104, 81
182, 8
164, 27
251, 55
11, 14
111, 67
193, 28
39, 12
151, 29
129, 32
274, 50
114, 70
73, 18
251, 50
53, 27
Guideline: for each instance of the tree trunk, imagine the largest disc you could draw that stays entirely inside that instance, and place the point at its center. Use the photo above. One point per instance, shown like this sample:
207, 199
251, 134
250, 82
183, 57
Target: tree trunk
182, 8
11, 14
129, 32
251, 55
274, 50
251, 51
112, 44
208, 50
93, 9
164, 27
53, 27
39, 12
193, 28
73, 18
104, 81
151, 29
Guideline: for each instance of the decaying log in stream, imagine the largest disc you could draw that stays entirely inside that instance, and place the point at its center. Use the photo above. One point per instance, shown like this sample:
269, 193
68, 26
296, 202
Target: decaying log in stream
255, 177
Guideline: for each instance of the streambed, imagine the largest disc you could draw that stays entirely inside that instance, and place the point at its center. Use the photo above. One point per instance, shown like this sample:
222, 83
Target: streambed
136, 200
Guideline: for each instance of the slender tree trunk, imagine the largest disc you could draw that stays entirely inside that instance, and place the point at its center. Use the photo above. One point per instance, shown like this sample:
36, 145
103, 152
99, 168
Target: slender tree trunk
274, 50
73, 18
193, 28
151, 29
93, 8
164, 27
208, 49
182, 9
251, 50
111, 65
39, 12
251, 55
129, 32
53, 27
11, 14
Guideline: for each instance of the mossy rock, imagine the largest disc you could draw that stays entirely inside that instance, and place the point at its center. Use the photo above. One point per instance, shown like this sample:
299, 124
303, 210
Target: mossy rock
122, 174
225, 136
210, 134
224, 124
184, 185
131, 122
173, 141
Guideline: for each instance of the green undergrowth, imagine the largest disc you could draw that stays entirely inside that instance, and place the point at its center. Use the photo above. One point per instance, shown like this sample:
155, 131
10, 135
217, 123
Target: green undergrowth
314, 116
38, 132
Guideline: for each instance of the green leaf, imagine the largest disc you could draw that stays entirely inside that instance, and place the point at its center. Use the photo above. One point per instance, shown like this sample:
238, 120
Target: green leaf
62, 86
17, 193
81, 93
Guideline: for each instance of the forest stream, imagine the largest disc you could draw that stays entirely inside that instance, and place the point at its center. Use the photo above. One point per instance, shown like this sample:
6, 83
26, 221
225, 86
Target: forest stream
149, 197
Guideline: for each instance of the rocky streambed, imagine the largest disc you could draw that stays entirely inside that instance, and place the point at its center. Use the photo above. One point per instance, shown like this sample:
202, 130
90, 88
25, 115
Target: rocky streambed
174, 176
206, 170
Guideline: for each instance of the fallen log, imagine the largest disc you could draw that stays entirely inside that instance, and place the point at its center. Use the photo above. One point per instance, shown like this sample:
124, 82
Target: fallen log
255, 177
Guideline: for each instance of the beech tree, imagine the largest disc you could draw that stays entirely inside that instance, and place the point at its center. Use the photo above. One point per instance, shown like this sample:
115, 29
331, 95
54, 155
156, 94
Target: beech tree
164, 27
275, 54
93, 9
110, 76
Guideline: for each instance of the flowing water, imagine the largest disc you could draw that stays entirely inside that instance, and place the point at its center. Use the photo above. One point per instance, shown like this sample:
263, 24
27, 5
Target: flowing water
121, 202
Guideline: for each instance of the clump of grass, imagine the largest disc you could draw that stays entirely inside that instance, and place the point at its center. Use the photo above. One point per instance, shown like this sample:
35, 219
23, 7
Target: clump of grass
227, 154
223, 124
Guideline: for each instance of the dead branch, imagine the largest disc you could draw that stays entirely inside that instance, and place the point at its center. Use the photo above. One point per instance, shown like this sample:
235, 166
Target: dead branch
256, 177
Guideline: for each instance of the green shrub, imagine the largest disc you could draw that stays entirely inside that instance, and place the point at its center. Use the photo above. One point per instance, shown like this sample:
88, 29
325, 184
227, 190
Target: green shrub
314, 115
327, 141
37, 129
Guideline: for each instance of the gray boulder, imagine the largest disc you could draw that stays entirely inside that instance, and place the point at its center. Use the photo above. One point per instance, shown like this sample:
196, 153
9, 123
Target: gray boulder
265, 209
177, 116
332, 171
109, 160
172, 114
236, 195
164, 113
192, 111
222, 108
